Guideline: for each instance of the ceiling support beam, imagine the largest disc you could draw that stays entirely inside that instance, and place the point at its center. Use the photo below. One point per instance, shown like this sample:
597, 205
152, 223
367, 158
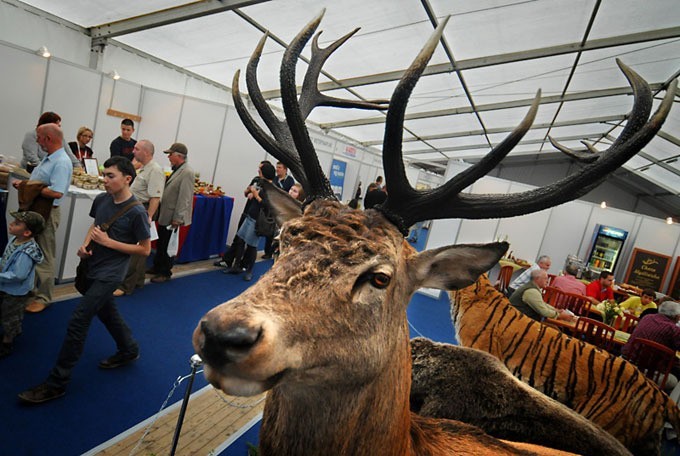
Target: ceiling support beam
493, 106
168, 16
500, 59
461, 134
590, 137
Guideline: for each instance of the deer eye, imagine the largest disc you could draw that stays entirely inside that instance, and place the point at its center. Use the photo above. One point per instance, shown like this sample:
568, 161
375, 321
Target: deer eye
380, 280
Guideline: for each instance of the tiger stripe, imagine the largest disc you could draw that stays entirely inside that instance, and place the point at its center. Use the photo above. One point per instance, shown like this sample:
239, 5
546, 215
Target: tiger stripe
602, 387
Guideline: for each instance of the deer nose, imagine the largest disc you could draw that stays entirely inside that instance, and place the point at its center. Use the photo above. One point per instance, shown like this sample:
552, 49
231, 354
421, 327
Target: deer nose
224, 344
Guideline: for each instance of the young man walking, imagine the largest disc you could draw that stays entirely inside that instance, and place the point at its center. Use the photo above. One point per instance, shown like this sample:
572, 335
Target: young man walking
107, 252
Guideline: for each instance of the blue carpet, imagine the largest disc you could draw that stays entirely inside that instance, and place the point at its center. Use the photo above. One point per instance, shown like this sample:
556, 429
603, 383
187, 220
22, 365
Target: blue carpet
100, 404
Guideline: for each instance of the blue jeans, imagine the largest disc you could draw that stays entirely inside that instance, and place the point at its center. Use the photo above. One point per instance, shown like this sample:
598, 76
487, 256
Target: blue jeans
98, 301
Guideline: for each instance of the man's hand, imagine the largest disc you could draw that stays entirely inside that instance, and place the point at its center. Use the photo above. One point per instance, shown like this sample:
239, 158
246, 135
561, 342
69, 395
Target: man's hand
83, 252
100, 237
565, 315
175, 224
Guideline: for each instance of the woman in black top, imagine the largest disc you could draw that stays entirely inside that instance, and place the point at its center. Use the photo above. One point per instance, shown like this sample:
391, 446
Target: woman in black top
79, 147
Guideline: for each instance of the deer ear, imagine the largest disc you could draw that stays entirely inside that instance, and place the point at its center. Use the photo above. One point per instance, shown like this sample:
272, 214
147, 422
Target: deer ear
456, 266
283, 206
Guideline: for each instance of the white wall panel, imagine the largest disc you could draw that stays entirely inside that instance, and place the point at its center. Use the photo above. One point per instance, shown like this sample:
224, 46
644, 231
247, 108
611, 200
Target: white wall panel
564, 232
21, 88
200, 129
236, 165
72, 92
160, 119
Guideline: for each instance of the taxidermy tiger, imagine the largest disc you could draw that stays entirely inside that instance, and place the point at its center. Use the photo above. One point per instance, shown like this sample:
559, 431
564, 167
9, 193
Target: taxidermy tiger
604, 388
474, 387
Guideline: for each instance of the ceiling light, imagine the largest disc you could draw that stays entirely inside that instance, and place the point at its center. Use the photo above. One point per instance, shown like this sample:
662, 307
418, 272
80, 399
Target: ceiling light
114, 75
43, 52
669, 220
603, 205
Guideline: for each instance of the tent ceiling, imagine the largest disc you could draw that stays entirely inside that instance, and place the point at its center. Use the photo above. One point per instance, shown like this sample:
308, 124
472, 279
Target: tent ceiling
493, 57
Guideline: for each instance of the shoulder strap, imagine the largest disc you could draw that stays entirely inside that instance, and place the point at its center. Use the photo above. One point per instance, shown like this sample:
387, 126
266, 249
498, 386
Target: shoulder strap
109, 222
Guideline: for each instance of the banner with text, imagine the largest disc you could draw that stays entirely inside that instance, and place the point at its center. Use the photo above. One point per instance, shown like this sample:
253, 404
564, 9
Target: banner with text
337, 177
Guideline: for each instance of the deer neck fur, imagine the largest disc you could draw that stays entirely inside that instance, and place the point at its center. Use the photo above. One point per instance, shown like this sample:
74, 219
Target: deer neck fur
371, 418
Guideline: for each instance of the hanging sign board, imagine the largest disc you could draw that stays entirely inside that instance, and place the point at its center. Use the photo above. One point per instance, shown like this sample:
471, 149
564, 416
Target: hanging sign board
674, 287
647, 269
337, 177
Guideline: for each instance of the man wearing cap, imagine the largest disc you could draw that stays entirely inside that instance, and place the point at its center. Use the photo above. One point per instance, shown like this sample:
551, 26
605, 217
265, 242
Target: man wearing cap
175, 209
55, 170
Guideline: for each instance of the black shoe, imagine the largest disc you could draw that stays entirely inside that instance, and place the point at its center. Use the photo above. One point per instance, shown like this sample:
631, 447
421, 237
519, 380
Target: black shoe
160, 279
221, 263
234, 270
248, 277
6, 349
41, 393
118, 360
267, 256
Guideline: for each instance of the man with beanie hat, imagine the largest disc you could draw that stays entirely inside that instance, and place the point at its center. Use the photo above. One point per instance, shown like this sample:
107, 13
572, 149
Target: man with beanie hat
243, 250
175, 209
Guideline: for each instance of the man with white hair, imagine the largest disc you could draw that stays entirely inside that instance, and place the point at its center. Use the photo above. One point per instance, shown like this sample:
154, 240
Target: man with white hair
660, 327
543, 263
528, 299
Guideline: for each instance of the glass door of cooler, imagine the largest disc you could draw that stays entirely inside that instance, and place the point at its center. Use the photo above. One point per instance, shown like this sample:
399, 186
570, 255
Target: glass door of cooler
606, 249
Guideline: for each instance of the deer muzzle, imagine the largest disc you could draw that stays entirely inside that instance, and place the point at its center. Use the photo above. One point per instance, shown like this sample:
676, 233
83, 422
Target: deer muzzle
220, 344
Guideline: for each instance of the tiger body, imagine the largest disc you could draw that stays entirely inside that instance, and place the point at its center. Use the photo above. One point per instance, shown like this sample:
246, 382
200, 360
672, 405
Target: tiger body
600, 386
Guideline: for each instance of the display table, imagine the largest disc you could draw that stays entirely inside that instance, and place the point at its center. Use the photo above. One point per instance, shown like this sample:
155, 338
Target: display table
207, 234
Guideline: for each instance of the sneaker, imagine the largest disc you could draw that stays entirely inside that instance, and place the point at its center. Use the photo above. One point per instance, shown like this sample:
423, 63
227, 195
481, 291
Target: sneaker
42, 393
221, 264
160, 279
248, 277
6, 349
118, 360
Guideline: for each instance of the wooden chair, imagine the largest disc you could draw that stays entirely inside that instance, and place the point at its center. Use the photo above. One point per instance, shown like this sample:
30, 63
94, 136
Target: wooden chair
595, 333
626, 323
652, 359
504, 277
579, 305
551, 277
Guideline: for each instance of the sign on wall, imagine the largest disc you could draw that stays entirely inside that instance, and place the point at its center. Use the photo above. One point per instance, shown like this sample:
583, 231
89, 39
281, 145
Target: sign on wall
647, 269
674, 287
337, 177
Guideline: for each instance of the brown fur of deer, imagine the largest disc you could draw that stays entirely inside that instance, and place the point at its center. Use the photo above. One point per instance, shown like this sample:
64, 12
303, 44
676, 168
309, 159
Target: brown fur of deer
325, 329
474, 387
604, 388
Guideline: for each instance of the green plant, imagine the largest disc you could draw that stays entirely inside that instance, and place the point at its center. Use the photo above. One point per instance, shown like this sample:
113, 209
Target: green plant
610, 311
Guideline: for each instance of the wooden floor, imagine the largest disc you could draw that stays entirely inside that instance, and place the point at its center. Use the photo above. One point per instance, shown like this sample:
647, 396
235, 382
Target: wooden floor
210, 422
212, 419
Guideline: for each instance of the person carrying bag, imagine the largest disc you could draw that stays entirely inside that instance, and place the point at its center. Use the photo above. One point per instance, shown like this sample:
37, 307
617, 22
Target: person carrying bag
81, 282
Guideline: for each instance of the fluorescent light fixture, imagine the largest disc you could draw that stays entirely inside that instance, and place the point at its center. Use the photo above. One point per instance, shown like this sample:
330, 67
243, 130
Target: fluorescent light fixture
114, 75
603, 205
669, 220
43, 52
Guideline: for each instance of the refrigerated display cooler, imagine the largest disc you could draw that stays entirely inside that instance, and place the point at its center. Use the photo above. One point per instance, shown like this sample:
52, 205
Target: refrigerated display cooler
606, 248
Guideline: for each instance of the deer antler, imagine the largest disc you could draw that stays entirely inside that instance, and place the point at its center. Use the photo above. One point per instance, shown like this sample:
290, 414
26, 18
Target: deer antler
405, 205
291, 143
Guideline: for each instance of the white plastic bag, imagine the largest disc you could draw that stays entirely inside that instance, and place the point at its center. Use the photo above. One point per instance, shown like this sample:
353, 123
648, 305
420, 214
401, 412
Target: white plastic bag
173, 243
153, 231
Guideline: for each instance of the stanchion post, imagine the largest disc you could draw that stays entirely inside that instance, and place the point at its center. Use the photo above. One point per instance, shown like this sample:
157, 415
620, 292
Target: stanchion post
195, 362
